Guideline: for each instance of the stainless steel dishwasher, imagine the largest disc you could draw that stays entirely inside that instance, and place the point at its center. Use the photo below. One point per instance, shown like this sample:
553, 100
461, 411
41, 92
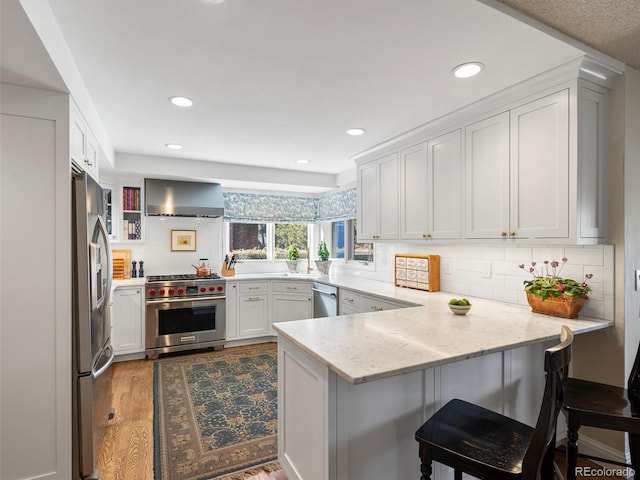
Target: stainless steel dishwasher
325, 300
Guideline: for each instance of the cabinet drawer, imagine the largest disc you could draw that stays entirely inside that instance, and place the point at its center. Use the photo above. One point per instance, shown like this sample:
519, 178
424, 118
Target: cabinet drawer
401, 262
292, 287
422, 264
372, 304
253, 287
350, 300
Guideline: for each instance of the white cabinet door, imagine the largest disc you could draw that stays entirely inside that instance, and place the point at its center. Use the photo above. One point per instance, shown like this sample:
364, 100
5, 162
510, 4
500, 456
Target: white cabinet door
388, 198
487, 177
253, 317
444, 206
367, 201
350, 302
291, 307
378, 200
414, 192
127, 320
539, 168
232, 311
83, 145
592, 171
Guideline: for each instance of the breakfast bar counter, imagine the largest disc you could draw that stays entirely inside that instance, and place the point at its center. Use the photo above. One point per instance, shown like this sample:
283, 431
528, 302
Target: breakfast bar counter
353, 389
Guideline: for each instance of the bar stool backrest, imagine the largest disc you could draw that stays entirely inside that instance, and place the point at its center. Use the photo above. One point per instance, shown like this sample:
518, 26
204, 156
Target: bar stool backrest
633, 383
556, 366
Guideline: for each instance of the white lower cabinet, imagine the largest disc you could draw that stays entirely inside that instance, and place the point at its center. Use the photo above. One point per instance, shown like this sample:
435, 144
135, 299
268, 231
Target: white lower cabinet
291, 301
375, 304
354, 302
127, 320
350, 302
253, 309
366, 430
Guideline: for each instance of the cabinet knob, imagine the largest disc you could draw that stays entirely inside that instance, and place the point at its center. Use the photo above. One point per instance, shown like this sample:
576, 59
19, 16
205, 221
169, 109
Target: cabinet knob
513, 234
503, 233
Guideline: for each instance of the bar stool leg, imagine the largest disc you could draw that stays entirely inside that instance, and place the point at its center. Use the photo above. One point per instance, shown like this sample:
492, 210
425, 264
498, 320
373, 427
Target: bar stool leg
425, 466
634, 448
572, 451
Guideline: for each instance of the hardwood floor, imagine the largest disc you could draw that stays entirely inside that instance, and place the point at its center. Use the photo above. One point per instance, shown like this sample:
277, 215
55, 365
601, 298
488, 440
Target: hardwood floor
127, 452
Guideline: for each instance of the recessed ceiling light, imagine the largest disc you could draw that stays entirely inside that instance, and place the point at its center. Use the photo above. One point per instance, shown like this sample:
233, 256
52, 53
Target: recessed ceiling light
467, 70
173, 146
216, 2
181, 101
302, 160
355, 131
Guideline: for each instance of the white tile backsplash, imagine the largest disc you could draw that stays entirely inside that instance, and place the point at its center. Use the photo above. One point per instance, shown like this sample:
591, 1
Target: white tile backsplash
492, 272
156, 249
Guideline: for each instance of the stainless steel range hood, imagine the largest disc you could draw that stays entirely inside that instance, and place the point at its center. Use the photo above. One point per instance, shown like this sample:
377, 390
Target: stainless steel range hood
183, 199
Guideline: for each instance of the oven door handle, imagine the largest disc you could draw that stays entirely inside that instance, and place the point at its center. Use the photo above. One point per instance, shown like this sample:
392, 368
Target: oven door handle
185, 299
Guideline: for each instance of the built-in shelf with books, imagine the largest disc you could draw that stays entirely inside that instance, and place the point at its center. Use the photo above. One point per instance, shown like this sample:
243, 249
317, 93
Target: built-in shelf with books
131, 214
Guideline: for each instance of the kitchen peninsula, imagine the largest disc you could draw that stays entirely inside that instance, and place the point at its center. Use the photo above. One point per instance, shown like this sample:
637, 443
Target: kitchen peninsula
354, 388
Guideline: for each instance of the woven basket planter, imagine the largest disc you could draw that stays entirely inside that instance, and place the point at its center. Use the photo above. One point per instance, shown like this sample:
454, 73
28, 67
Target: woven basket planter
564, 306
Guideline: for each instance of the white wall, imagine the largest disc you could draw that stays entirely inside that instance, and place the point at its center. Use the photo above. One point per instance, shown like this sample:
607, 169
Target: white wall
156, 249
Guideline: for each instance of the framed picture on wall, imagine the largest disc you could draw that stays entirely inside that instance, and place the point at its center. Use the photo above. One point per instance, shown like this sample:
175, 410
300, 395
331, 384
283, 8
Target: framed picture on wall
183, 240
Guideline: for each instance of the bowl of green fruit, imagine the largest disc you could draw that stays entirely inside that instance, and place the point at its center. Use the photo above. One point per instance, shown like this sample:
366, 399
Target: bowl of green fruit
459, 306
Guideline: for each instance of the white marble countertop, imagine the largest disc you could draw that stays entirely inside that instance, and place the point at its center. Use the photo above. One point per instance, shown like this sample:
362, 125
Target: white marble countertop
370, 346
129, 282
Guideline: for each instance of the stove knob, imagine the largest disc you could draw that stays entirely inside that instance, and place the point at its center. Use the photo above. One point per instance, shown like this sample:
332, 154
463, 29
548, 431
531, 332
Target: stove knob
161, 291
181, 290
202, 289
220, 288
152, 292
171, 291
212, 289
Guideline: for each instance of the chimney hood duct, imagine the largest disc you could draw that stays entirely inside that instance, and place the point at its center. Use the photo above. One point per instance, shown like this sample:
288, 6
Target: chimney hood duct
183, 199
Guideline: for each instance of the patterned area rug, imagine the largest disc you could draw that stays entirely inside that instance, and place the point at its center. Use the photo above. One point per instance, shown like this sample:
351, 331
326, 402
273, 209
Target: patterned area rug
215, 414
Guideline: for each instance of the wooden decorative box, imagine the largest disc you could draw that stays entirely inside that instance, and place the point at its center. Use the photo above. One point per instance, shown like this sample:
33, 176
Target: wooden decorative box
421, 272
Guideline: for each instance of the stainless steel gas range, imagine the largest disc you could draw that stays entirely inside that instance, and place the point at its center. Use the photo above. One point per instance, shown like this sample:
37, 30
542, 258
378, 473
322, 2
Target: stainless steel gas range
184, 312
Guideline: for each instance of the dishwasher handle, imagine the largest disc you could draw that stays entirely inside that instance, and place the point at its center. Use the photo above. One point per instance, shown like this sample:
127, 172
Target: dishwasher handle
322, 292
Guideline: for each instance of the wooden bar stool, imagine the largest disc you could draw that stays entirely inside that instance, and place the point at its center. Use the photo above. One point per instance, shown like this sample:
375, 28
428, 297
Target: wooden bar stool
487, 445
603, 406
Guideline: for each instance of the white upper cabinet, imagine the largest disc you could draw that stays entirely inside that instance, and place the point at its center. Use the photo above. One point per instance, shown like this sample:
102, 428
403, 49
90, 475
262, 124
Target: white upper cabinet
518, 172
83, 144
431, 189
533, 169
592, 171
445, 186
414, 194
487, 177
539, 168
378, 199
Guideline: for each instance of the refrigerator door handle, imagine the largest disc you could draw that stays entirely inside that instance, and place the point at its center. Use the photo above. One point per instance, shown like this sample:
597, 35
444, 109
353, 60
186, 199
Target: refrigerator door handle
100, 274
106, 366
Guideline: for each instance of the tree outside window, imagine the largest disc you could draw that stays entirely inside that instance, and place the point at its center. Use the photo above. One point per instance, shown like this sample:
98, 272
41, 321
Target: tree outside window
287, 234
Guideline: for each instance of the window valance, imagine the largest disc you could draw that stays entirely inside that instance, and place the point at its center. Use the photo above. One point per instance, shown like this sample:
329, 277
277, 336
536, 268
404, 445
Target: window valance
260, 208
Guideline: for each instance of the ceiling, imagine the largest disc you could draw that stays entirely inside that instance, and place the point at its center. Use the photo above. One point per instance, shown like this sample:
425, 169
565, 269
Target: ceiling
276, 81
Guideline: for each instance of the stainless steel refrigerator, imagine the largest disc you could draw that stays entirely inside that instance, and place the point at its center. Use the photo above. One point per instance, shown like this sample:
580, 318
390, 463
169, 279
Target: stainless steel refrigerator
92, 351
